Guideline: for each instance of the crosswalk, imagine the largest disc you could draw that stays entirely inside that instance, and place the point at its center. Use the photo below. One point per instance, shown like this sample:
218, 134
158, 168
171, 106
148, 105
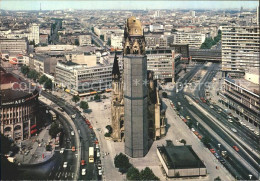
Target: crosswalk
63, 175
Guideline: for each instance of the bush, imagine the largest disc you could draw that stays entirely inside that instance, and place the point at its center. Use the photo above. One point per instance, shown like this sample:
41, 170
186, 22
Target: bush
147, 174
75, 99
107, 135
97, 97
48, 84
84, 105
43, 79
54, 130
164, 94
48, 148
133, 174
109, 128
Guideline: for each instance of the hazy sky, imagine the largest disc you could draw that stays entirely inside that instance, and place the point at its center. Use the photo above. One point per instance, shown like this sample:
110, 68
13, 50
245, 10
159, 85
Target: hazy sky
89, 4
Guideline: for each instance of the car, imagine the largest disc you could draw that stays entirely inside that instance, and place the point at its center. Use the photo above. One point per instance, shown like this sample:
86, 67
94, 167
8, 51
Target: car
98, 154
211, 107
83, 171
72, 133
236, 148
234, 130
216, 155
192, 129
230, 120
82, 162
65, 164
256, 133
188, 117
99, 167
212, 150
179, 103
73, 148
197, 101
252, 129
97, 146
99, 172
62, 150
222, 160
90, 127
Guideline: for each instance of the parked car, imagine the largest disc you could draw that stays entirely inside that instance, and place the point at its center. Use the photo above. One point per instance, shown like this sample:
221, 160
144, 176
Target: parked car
216, 155
65, 164
234, 130
83, 171
212, 150
236, 148
99, 172
82, 162
62, 150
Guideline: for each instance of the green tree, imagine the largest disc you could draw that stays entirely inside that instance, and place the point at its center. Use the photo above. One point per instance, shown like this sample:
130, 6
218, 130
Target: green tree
32, 43
190, 124
43, 79
5, 144
33, 74
147, 174
109, 42
75, 98
48, 84
183, 141
84, 105
164, 94
97, 97
121, 161
205, 140
109, 128
25, 70
133, 174
92, 29
48, 148
107, 135
102, 37
54, 130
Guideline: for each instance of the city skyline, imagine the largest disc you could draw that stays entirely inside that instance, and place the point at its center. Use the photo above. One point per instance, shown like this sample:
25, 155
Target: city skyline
126, 5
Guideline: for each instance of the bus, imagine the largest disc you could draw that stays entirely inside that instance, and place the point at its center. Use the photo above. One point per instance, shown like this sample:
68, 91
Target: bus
53, 115
91, 154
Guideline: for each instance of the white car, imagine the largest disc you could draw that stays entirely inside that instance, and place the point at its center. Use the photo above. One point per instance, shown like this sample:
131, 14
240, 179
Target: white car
72, 133
230, 120
211, 107
98, 154
97, 146
83, 171
234, 130
65, 164
99, 167
192, 129
99, 172
62, 150
256, 133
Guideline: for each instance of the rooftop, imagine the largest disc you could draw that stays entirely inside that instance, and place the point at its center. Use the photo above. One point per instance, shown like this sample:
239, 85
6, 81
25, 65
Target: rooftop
180, 157
246, 84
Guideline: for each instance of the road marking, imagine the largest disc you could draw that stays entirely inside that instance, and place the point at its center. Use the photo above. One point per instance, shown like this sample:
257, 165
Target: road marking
66, 174
50, 174
56, 174
59, 174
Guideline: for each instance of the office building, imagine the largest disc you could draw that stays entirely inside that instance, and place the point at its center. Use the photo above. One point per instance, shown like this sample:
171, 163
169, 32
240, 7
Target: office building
14, 45
194, 40
240, 49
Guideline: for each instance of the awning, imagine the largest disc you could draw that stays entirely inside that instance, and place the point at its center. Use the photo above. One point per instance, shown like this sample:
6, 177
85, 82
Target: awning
33, 131
67, 90
33, 126
94, 92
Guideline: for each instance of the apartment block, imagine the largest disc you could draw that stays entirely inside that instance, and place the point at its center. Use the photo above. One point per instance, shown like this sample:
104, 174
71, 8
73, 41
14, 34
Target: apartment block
194, 40
240, 49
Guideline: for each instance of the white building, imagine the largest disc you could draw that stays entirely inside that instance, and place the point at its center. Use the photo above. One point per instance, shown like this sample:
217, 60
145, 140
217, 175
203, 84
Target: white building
240, 49
14, 45
116, 41
84, 40
194, 40
82, 78
34, 33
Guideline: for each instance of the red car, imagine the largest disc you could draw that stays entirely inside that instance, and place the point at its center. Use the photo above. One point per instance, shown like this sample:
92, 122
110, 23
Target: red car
197, 101
90, 127
82, 162
236, 148
212, 150
87, 121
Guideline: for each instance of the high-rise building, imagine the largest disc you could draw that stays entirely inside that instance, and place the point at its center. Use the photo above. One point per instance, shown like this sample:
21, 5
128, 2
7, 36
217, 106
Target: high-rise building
240, 49
193, 13
258, 15
135, 90
34, 33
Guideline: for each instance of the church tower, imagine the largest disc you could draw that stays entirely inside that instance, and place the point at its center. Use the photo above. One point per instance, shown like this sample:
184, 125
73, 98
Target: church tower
135, 90
117, 103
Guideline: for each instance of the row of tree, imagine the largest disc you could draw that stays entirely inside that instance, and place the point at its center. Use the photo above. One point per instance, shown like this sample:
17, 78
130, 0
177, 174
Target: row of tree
121, 161
209, 42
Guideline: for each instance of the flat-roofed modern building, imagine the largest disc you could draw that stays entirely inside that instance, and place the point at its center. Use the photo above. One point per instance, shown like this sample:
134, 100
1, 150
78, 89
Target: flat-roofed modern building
194, 40
240, 49
82, 78
242, 96
19, 45
180, 161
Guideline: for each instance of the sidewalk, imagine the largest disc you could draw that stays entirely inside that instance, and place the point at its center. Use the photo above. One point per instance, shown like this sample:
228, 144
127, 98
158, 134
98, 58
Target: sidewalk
35, 149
